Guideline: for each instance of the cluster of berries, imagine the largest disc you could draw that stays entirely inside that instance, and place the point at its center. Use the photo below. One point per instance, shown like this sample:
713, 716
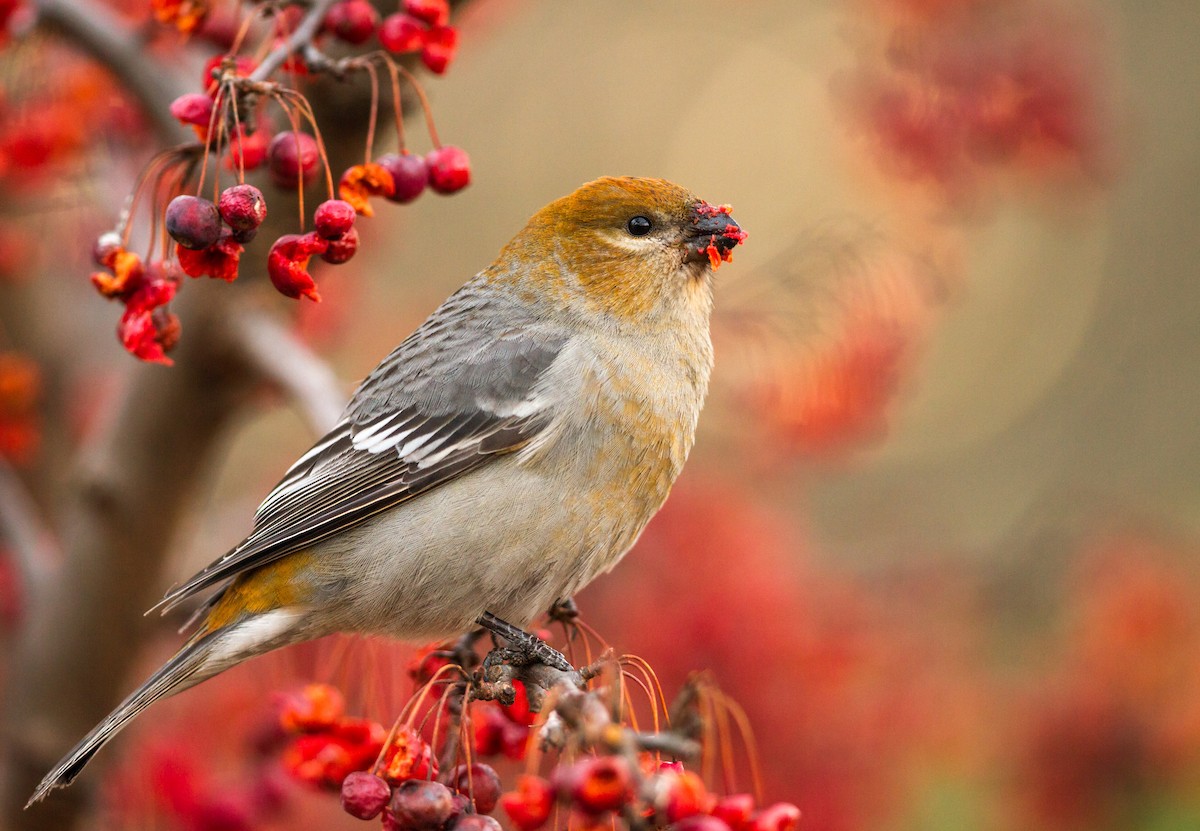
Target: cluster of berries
421, 27
147, 329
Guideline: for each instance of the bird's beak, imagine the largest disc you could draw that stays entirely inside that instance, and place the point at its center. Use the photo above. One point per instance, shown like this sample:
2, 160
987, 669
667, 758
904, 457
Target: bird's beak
713, 234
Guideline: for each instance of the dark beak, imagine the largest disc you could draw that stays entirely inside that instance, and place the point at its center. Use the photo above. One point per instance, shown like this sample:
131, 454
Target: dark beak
713, 234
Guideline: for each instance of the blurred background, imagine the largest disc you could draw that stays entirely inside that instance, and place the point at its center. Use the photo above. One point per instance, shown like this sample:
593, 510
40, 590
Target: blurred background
938, 532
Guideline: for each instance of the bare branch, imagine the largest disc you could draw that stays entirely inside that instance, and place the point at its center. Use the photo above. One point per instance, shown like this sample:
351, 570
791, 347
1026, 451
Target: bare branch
32, 543
297, 41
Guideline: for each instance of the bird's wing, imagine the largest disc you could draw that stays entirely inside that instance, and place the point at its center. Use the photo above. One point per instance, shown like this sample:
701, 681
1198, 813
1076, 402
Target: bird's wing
458, 392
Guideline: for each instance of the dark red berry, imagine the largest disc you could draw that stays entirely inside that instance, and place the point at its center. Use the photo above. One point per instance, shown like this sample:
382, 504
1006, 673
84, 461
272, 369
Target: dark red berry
333, 218
478, 781
462, 805
193, 108
242, 207
474, 822
193, 222
353, 21
292, 158
439, 49
409, 175
433, 12
449, 169
418, 805
401, 33
364, 795
342, 249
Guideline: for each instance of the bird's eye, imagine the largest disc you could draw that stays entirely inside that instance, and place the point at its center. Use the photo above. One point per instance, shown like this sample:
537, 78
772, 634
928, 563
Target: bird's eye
639, 226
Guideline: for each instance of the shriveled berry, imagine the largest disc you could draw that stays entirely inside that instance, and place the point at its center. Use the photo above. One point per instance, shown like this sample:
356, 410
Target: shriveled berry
193, 108
433, 12
782, 816
599, 784
353, 21
735, 810
479, 781
341, 249
242, 207
439, 49
292, 158
364, 795
193, 222
333, 218
409, 175
701, 822
401, 33
474, 822
419, 805
449, 169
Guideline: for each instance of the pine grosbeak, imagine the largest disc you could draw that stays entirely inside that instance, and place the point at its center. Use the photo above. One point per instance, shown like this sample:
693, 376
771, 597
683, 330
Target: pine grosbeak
507, 452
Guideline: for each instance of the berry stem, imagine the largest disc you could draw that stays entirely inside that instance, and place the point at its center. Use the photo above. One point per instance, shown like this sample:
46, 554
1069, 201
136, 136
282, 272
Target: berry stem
429, 125
397, 107
294, 42
374, 116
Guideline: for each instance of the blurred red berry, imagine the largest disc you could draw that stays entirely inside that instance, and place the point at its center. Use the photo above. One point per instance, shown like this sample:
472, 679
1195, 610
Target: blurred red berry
449, 169
735, 810
433, 12
139, 336
317, 706
519, 711
193, 108
248, 151
333, 218
600, 784
401, 33
530, 805
419, 805
439, 49
408, 757
684, 795
342, 249
782, 816
365, 795
479, 781
287, 266
353, 21
241, 66
242, 207
193, 222
409, 175
292, 158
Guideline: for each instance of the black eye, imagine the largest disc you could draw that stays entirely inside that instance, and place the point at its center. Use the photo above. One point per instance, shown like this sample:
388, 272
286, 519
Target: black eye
639, 226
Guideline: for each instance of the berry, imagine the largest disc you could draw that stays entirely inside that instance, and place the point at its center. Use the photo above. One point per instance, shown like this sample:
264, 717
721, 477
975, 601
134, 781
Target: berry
601, 784
401, 33
364, 795
685, 795
433, 12
334, 218
735, 810
341, 249
529, 806
292, 158
439, 49
287, 266
409, 175
474, 822
248, 152
701, 822
449, 169
193, 108
353, 21
106, 247
193, 222
242, 207
478, 781
782, 816
418, 805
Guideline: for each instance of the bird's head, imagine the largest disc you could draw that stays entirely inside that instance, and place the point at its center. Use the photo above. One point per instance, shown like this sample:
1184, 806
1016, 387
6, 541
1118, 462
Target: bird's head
630, 248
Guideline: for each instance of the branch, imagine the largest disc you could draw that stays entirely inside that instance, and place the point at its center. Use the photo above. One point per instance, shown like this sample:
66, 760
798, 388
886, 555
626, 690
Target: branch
20, 523
297, 41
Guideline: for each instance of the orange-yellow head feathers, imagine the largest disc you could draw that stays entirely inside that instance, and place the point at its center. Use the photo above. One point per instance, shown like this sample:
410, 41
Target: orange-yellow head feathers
629, 246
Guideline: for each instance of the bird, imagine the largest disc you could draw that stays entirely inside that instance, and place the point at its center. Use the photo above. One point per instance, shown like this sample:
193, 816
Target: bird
507, 452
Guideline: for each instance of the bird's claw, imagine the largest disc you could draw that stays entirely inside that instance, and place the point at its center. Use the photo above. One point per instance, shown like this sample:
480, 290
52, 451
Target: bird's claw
523, 648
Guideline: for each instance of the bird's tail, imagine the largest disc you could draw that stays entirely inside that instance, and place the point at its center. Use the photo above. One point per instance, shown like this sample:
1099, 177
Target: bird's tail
190, 666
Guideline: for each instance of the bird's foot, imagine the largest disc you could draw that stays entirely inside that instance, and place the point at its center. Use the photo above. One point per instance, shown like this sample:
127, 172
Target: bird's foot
564, 611
522, 649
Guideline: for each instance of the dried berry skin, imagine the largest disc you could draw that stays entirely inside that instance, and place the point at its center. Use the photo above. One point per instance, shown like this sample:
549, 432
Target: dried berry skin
292, 158
341, 249
410, 175
353, 21
401, 33
364, 795
479, 781
287, 265
333, 218
601, 784
193, 222
449, 169
420, 805
362, 181
242, 207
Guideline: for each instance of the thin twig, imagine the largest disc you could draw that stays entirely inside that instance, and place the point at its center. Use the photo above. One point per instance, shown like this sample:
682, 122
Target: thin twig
30, 540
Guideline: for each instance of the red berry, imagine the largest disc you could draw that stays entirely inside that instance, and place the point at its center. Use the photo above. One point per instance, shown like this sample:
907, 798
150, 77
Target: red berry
782, 816
242, 207
341, 249
248, 152
433, 12
479, 781
106, 246
409, 174
449, 169
418, 805
334, 217
193, 222
292, 158
735, 810
701, 822
529, 806
364, 795
600, 784
474, 822
193, 108
287, 266
685, 795
401, 33
353, 21
439, 49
